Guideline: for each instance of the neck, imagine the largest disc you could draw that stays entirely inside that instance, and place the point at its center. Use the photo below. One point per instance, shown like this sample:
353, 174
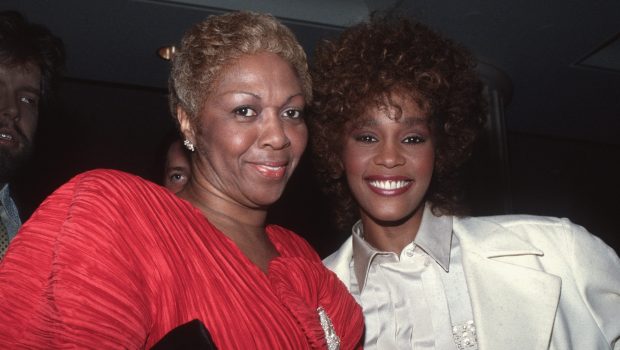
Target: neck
244, 225
390, 236
228, 216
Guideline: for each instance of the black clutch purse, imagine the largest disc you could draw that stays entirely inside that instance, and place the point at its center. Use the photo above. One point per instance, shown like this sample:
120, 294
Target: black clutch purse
191, 335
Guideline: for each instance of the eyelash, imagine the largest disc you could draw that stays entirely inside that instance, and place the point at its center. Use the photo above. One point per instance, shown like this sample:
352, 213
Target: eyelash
29, 100
414, 139
174, 176
243, 112
365, 138
407, 140
299, 114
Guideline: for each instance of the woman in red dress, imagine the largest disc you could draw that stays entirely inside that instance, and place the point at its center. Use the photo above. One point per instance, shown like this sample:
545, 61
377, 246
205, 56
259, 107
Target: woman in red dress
113, 261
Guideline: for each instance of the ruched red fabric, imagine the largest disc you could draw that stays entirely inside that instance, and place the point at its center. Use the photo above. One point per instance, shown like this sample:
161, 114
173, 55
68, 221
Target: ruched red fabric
303, 286
111, 261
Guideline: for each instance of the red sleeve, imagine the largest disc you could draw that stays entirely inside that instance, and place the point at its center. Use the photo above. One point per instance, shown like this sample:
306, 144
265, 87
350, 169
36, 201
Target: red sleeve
67, 280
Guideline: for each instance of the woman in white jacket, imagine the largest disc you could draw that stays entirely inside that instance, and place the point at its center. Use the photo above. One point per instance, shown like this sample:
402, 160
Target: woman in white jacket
396, 111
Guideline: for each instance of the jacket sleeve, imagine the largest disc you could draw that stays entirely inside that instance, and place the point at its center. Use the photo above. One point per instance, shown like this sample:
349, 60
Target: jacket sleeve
596, 269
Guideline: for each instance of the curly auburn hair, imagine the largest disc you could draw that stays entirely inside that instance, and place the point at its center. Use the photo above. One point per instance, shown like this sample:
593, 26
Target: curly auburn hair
367, 63
23, 43
211, 45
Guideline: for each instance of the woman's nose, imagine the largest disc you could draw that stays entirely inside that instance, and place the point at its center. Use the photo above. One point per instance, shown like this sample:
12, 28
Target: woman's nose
8, 106
274, 132
389, 155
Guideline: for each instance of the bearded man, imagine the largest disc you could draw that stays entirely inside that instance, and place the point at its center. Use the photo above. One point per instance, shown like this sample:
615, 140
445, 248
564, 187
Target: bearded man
30, 59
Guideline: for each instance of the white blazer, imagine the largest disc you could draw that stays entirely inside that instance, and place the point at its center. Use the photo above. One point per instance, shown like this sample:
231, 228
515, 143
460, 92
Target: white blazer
535, 283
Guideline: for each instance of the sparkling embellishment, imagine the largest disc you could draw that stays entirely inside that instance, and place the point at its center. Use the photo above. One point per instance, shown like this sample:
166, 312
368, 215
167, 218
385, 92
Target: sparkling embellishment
333, 342
189, 145
464, 335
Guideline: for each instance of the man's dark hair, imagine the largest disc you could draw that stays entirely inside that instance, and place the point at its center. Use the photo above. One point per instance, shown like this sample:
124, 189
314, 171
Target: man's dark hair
23, 43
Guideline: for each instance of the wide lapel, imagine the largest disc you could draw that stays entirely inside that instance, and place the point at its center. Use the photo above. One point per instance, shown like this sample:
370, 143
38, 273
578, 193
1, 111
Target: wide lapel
339, 262
514, 305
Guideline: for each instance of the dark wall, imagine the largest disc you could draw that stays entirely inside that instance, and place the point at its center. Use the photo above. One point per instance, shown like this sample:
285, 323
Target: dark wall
551, 177
94, 125
122, 127
567, 178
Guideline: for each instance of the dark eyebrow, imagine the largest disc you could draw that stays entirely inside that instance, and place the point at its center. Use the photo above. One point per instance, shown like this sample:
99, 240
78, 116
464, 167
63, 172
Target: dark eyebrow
31, 89
258, 97
176, 168
296, 95
411, 121
242, 92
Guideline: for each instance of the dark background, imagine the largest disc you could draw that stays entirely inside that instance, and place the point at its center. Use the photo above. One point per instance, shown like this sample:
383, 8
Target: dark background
560, 131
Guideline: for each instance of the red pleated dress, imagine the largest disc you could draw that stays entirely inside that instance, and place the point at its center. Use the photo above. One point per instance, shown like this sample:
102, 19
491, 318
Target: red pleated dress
111, 261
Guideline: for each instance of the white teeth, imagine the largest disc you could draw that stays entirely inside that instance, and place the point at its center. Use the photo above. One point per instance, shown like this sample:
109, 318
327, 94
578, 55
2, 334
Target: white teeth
274, 168
271, 168
6, 136
389, 184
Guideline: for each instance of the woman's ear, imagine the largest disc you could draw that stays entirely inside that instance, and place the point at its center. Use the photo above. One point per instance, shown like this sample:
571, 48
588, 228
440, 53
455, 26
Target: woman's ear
185, 125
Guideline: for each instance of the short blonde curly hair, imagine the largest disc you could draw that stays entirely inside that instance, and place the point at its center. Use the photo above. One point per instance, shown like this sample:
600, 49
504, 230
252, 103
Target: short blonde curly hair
216, 42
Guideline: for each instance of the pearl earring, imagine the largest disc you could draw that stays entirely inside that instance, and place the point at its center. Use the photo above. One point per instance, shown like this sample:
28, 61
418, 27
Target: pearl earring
189, 145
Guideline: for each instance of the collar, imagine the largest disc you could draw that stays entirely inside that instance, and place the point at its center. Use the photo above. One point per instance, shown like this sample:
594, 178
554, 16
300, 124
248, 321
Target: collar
434, 237
8, 212
5, 195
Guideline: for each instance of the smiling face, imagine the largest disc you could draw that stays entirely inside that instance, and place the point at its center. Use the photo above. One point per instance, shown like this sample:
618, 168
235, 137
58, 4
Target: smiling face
19, 112
388, 158
250, 132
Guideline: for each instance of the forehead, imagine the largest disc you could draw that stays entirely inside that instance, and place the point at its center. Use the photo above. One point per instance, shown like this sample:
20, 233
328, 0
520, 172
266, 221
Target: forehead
254, 68
22, 74
398, 107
